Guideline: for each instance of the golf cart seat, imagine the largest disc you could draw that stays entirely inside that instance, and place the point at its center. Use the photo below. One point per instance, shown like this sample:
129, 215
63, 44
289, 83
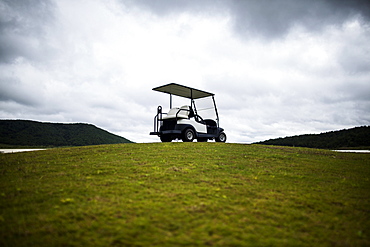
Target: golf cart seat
182, 112
210, 122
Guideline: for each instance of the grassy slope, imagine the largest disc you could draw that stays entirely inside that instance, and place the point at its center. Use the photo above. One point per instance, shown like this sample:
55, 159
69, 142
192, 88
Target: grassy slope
194, 194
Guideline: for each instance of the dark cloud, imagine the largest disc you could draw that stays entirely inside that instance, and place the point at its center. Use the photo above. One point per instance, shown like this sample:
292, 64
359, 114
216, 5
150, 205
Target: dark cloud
265, 18
11, 90
355, 58
166, 7
273, 19
22, 25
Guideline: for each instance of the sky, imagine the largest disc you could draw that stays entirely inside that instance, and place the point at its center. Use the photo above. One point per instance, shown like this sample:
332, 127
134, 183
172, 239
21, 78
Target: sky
277, 68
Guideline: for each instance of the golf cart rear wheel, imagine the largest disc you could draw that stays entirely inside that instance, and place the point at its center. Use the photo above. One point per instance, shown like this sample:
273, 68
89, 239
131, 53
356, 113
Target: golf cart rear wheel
221, 137
165, 138
188, 135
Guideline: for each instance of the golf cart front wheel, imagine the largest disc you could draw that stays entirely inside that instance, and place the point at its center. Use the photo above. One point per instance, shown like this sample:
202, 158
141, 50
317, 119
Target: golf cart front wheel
188, 135
221, 137
165, 138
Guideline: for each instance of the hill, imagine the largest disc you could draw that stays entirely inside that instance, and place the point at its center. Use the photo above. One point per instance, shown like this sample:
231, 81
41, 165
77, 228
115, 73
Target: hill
184, 194
347, 138
38, 134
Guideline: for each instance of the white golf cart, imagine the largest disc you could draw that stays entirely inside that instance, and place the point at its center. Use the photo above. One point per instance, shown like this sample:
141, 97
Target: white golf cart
184, 122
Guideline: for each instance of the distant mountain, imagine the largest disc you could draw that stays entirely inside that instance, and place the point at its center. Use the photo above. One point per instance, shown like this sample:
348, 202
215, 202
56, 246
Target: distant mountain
347, 138
32, 133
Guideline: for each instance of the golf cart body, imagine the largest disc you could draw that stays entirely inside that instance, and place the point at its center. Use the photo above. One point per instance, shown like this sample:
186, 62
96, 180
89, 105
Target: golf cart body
184, 122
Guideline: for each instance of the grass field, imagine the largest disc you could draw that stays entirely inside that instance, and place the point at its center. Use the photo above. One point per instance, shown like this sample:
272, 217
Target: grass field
184, 194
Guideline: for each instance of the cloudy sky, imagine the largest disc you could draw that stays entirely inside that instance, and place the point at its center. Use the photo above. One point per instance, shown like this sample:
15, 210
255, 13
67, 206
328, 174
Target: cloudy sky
277, 68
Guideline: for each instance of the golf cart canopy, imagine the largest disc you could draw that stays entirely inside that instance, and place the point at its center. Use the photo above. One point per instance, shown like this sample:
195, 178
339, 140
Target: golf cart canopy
183, 91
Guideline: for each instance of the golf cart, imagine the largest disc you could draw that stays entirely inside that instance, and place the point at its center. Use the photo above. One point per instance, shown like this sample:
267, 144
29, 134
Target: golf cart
184, 122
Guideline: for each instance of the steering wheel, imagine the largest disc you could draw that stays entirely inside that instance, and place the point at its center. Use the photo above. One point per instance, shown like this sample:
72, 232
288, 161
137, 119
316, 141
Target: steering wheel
199, 119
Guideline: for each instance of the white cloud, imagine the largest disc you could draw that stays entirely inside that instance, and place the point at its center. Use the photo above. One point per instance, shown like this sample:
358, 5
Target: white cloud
99, 66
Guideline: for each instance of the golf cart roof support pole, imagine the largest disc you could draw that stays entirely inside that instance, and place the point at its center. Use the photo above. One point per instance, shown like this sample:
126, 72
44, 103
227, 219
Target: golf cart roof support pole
192, 103
214, 103
170, 101
194, 107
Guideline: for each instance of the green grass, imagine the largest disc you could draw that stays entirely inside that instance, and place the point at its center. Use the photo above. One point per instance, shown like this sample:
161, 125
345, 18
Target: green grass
184, 194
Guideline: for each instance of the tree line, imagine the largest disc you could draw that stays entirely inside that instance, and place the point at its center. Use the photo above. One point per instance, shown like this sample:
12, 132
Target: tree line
347, 138
32, 133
